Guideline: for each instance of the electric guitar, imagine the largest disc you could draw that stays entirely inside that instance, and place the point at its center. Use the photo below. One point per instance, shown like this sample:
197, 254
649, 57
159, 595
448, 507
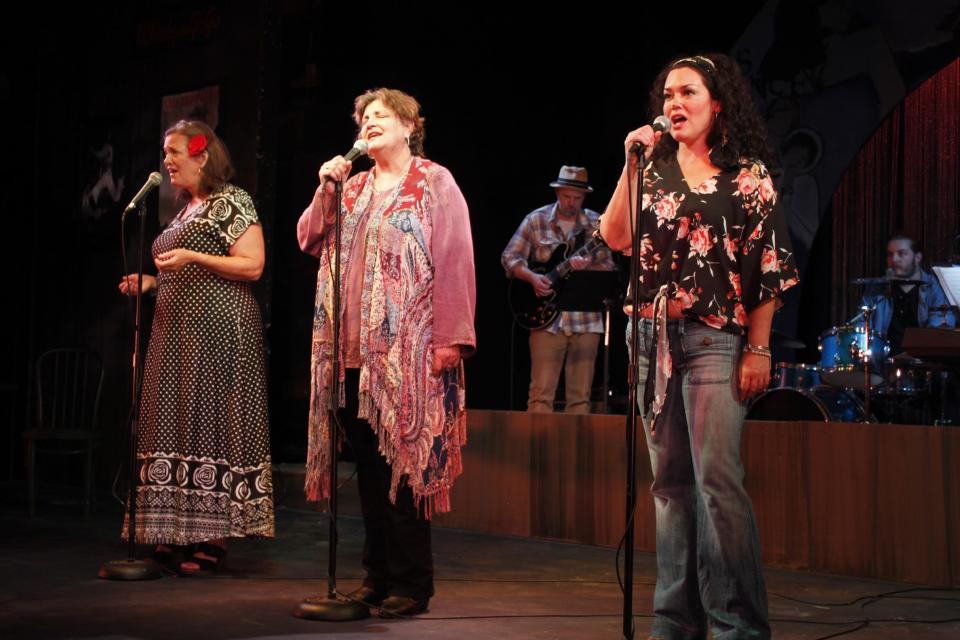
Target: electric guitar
529, 310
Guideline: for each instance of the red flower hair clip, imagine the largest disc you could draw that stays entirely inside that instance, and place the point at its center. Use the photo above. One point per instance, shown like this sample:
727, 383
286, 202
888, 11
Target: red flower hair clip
197, 144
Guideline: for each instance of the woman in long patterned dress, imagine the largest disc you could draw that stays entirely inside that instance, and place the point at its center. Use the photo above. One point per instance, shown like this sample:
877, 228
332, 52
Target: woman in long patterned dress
409, 295
203, 449
715, 257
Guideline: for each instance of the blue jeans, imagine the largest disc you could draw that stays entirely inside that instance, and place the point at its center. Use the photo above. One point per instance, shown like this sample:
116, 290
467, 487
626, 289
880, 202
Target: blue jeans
708, 551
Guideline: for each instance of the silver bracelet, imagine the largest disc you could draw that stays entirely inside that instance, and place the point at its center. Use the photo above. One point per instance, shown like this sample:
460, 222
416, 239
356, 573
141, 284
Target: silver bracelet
601, 243
757, 350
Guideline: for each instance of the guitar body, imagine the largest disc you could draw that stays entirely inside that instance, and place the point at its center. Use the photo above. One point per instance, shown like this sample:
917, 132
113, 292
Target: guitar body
529, 310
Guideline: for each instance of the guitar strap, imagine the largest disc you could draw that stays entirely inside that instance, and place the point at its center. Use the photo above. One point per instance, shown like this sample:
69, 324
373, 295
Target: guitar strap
579, 240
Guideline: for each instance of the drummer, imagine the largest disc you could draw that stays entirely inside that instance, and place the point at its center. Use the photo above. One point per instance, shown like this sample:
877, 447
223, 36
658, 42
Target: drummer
906, 304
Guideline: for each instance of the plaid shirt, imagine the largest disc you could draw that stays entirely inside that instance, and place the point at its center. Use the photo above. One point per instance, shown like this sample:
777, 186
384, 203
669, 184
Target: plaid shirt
540, 234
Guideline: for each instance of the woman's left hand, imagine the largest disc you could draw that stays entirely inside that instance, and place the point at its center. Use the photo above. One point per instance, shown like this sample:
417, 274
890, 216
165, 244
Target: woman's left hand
445, 358
754, 375
174, 260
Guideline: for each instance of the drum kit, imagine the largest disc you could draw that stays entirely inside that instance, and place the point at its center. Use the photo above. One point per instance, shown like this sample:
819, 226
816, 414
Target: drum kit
855, 380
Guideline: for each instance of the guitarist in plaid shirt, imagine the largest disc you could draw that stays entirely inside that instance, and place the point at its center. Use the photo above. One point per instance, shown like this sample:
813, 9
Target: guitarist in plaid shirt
570, 341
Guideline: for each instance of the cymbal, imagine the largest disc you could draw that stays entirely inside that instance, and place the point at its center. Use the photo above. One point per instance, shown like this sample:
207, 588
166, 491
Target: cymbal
786, 341
882, 281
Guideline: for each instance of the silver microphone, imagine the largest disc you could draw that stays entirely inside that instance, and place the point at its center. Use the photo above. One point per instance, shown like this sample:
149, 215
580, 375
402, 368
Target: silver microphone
661, 124
358, 149
153, 181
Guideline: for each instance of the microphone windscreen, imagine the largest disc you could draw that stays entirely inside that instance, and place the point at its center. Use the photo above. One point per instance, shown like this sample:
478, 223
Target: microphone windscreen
661, 123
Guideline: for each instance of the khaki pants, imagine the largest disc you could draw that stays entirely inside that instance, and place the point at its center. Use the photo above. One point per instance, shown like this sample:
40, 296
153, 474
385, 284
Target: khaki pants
548, 352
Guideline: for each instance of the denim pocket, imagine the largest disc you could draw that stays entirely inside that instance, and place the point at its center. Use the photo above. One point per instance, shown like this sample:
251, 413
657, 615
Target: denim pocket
710, 354
645, 339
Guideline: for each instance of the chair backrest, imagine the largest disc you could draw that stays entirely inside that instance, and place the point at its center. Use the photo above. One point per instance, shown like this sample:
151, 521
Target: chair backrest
69, 383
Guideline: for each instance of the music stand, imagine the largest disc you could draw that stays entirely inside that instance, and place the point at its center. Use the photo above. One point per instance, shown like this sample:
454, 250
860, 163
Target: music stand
586, 290
949, 278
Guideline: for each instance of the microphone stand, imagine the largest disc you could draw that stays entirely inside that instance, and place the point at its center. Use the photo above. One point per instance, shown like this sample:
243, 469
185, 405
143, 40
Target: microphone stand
131, 568
607, 303
330, 608
632, 413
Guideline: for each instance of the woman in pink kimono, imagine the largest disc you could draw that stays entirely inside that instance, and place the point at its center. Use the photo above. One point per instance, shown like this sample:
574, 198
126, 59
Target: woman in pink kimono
408, 298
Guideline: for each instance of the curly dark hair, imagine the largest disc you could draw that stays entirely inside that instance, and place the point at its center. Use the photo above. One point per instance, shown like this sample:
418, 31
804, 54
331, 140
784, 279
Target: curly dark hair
738, 132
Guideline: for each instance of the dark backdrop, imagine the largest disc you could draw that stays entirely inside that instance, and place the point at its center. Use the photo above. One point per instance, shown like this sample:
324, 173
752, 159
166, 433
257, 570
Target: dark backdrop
508, 99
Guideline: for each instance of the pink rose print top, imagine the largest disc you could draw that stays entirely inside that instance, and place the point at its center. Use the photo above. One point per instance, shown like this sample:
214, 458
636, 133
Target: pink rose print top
722, 245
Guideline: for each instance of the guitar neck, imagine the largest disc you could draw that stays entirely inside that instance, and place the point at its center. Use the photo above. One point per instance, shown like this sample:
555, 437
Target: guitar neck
562, 269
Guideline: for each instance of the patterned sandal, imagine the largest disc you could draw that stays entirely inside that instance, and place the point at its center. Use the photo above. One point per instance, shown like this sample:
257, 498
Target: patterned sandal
205, 565
169, 556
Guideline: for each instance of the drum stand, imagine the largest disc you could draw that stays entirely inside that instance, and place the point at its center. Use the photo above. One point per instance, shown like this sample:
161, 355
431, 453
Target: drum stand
866, 354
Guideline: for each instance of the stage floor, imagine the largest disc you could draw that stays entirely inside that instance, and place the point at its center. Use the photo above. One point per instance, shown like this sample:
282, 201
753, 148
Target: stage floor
487, 586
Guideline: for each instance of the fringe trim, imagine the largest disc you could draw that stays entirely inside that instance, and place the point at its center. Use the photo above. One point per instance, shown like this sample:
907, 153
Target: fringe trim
317, 482
435, 496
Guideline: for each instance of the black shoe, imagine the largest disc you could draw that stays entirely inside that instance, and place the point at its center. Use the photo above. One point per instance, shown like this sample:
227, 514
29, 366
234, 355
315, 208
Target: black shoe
366, 595
401, 607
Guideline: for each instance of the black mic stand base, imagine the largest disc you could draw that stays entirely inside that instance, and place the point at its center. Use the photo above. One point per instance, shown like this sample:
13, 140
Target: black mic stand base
330, 609
130, 570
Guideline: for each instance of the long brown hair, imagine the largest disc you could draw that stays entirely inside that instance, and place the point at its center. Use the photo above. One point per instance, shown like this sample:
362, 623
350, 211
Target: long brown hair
219, 169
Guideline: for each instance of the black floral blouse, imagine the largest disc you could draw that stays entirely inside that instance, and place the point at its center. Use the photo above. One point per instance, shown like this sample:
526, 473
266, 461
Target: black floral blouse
722, 246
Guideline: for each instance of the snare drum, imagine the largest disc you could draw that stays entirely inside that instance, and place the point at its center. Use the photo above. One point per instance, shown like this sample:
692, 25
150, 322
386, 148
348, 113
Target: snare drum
841, 356
795, 375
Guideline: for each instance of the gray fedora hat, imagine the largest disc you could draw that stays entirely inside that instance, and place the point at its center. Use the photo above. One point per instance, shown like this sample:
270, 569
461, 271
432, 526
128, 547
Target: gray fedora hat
572, 178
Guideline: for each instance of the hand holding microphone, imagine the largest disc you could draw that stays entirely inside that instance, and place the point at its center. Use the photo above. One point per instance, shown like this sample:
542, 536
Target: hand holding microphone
645, 138
337, 169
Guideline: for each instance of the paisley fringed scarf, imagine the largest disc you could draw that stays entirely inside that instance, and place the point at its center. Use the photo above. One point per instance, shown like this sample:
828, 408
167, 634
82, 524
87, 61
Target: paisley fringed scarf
419, 419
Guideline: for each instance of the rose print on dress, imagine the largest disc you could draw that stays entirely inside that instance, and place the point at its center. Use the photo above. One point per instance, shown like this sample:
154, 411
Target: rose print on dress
666, 208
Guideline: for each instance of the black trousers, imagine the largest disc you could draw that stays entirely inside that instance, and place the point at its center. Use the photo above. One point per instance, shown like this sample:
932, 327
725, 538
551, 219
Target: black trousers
396, 548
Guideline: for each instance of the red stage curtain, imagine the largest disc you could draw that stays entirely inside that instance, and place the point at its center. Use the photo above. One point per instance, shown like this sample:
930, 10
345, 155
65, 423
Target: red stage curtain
905, 178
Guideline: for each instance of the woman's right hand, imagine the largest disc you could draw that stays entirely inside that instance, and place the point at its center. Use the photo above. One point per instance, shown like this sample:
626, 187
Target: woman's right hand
646, 137
336, 169
128, 284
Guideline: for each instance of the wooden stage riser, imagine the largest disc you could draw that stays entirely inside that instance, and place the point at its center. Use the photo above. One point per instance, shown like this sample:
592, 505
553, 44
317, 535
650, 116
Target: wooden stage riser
874, 500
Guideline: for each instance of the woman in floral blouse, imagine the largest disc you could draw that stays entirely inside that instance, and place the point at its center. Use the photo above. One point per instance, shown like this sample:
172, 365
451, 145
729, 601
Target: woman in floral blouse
715, 257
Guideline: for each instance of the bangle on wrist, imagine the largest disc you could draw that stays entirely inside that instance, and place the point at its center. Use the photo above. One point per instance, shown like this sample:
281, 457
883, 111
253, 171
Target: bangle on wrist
757, 350
601, 243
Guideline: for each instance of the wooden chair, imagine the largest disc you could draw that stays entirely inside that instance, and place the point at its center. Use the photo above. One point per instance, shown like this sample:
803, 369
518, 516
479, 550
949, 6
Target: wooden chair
68, 387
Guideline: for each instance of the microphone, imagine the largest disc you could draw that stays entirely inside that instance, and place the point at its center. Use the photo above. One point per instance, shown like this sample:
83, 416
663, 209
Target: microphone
661, 124
358, 149
153, 181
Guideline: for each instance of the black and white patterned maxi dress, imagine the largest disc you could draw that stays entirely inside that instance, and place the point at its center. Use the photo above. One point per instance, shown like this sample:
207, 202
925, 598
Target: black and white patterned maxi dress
203, 450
